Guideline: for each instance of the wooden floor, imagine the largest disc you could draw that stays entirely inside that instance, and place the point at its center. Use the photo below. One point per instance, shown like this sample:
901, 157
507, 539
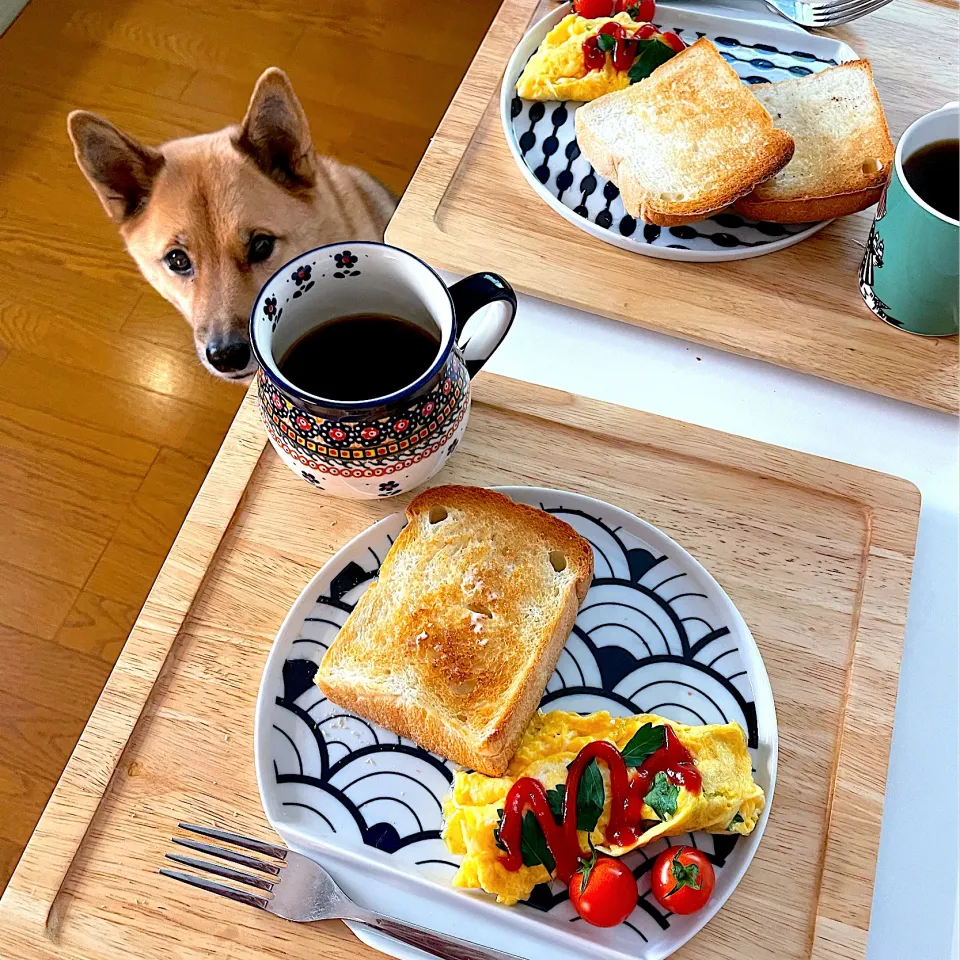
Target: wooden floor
107, 421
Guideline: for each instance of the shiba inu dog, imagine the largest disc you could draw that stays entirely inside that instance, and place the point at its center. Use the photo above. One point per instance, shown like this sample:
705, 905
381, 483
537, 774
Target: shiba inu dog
210, 218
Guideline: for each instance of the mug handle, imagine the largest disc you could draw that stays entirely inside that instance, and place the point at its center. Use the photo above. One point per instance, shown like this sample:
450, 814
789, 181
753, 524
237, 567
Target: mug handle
469, 295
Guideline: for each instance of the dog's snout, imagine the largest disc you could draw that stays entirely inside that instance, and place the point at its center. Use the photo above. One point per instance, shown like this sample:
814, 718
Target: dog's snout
228, 355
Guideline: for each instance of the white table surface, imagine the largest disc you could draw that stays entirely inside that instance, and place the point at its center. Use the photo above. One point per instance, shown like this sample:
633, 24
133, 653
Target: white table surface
915, 913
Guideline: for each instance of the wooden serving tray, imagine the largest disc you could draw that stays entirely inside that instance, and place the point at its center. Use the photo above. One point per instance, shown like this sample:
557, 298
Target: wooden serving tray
469, 208
817, 555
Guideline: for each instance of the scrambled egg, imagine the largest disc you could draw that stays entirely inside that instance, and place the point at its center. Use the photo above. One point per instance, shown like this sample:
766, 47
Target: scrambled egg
557, 71
551, 741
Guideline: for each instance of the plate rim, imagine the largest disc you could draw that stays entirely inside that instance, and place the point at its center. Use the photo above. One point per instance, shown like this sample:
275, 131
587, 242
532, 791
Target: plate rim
513, 69
478, 905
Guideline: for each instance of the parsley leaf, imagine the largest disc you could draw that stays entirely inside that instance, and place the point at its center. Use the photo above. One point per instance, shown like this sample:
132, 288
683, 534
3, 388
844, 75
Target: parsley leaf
533, 844
652, 53
605, 42
645, 742
555, 799
736, 819
590, 796
662, 798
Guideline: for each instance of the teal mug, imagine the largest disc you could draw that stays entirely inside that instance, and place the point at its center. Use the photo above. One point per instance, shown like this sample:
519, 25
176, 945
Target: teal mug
909, 273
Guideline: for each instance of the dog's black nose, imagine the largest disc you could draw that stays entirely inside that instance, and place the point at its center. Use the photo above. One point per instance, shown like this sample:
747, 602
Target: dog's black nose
228, 356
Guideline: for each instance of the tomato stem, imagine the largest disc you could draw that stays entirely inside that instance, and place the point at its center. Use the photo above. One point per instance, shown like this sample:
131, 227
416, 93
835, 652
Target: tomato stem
588, 865
685, 874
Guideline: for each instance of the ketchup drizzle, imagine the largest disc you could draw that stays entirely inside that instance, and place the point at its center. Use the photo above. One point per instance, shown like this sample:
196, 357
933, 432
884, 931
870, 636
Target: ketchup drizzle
593, 56
627, 790
528, 793
624, 47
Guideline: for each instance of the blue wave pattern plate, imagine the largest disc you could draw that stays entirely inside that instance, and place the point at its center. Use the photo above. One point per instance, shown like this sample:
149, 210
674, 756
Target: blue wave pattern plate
656, 634
542, 140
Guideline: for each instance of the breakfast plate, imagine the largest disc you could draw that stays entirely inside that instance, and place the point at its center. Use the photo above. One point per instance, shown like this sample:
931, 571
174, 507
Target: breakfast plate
655, 634
542, 140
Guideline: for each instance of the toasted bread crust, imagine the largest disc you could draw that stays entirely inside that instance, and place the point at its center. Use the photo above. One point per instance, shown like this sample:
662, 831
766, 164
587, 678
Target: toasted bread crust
829, 177
809, 210
378, 667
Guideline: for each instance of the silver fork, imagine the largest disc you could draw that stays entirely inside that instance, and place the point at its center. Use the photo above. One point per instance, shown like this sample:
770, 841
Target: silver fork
307, 892
825, 13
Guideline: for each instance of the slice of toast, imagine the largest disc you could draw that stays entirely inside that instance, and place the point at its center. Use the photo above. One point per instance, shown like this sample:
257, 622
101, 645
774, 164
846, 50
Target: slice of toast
684, 143
455, 642
843, 154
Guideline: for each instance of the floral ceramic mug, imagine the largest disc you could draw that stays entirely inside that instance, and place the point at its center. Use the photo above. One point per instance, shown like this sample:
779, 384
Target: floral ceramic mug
384, 445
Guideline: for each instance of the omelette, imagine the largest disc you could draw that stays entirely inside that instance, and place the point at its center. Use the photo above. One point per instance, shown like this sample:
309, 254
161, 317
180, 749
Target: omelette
558, 70
728, 802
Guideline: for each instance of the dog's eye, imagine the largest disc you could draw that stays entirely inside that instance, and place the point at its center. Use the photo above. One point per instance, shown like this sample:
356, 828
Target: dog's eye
178, 261
261, 246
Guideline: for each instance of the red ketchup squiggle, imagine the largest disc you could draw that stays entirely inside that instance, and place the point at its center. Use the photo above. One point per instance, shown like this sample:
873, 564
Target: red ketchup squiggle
627, 791
529, 794
593, 56
624, 47
673, 759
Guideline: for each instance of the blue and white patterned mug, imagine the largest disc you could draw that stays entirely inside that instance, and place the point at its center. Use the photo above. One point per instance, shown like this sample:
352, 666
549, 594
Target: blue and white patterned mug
389, 444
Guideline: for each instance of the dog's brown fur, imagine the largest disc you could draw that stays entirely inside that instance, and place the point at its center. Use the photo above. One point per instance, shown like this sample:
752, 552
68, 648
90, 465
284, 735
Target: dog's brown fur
210, 195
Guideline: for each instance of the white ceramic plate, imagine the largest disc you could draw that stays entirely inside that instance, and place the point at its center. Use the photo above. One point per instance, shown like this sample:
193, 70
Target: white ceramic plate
542, 140
656, 634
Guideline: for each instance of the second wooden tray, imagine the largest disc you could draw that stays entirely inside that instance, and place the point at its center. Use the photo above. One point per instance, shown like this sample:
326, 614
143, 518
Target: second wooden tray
817, 556
469, 208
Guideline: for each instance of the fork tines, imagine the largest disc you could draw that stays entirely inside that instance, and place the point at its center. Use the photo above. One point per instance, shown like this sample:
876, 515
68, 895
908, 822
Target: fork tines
825, 13
226, 872
843, 11
258, 846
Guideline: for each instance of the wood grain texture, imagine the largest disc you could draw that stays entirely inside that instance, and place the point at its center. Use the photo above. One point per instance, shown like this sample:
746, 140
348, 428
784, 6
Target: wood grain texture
469, 208
817, 555
108, 423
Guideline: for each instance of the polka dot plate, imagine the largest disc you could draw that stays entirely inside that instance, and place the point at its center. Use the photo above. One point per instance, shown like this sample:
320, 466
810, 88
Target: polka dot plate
542, 140
655, 634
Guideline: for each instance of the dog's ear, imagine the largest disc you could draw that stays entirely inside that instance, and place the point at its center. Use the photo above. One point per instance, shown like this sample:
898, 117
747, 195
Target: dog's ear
121, 170
275, 133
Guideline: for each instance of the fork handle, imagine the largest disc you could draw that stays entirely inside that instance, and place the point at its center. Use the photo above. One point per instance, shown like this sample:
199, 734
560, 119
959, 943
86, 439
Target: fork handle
437, 944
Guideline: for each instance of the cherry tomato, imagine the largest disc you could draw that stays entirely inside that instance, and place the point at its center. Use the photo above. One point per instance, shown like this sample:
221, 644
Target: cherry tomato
603, 891
673, 41
640, 10
591, 9
682, 879
647, 31
646, 11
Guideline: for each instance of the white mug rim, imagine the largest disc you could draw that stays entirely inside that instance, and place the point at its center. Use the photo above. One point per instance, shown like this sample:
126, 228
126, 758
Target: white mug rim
286, 386
914, 196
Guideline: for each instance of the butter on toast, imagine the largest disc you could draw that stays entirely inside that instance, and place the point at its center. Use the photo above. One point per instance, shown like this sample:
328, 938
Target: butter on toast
684, 143
455, 642
843, 155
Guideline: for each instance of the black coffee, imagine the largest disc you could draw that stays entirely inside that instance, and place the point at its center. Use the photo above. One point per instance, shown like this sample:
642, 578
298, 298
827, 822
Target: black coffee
933, 172
359, 357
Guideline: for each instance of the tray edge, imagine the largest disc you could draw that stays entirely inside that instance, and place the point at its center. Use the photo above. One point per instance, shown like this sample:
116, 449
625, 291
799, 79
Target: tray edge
36, 883
414, 225
28, 908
